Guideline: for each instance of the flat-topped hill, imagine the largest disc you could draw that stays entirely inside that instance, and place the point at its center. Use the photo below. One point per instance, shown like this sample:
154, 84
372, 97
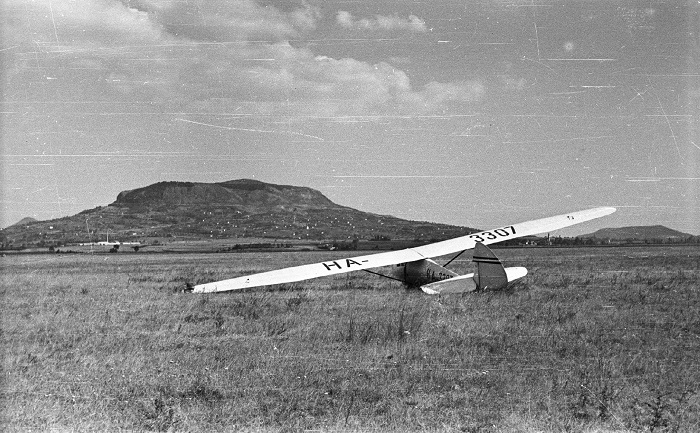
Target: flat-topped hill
242, 208
242, 192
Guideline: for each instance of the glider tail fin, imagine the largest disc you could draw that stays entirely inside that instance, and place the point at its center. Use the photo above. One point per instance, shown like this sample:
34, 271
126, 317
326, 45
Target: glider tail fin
490, 273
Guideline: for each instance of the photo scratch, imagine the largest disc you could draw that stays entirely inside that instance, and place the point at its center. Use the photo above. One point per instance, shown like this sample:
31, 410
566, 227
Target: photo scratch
231, 128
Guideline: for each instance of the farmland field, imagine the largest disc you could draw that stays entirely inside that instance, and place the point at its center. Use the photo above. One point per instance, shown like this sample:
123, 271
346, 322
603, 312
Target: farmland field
593, 339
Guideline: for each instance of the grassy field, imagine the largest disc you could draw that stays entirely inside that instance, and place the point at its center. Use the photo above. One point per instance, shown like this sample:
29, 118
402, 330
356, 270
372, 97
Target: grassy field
594, 339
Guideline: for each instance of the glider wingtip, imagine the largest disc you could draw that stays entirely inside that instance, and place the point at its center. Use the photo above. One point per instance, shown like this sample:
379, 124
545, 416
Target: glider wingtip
199, 288
601, 211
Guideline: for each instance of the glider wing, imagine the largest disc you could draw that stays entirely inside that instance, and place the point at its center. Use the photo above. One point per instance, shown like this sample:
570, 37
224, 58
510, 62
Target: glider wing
340, 266
511, 232
305, 272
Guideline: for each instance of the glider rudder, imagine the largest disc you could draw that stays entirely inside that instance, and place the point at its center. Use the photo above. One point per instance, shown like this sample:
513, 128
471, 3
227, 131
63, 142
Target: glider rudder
490, 273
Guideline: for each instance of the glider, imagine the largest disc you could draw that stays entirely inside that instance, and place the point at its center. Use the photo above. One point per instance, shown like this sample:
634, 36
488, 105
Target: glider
415, 267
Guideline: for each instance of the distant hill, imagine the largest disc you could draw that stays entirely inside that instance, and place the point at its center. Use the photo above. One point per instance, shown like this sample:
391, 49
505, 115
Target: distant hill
243, 193
241, 208
657, 232
24, 221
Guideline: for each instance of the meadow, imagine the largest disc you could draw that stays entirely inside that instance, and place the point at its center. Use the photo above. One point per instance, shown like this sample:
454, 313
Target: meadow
593, 339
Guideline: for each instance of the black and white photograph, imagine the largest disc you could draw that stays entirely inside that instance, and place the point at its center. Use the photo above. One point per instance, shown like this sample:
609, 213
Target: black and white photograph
350, 216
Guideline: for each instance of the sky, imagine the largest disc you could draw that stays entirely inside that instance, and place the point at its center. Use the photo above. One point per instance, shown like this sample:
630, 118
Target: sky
477, 113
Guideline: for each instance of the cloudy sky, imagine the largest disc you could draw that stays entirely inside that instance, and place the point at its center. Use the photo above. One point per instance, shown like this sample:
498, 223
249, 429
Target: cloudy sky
477, 113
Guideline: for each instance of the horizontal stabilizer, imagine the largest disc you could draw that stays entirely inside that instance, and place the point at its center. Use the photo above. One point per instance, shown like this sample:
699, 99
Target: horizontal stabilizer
461, 284
515, 272
466, 283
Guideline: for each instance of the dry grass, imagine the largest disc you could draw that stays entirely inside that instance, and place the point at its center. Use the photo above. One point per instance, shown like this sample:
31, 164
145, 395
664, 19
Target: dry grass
598, 339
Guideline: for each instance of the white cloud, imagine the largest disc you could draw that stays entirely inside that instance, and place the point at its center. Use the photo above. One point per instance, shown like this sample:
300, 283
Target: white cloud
344, 18
381, 22
355, 87
202, 54
77, 23
222, 20
306, 17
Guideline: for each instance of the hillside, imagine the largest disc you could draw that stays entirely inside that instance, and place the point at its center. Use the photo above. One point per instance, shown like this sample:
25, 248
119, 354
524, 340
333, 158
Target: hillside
24, 221
642, 233
234, 209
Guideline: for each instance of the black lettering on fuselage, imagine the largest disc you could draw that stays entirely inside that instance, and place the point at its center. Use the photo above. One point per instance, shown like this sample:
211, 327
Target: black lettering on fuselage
433, 276
349, 262
422, 272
